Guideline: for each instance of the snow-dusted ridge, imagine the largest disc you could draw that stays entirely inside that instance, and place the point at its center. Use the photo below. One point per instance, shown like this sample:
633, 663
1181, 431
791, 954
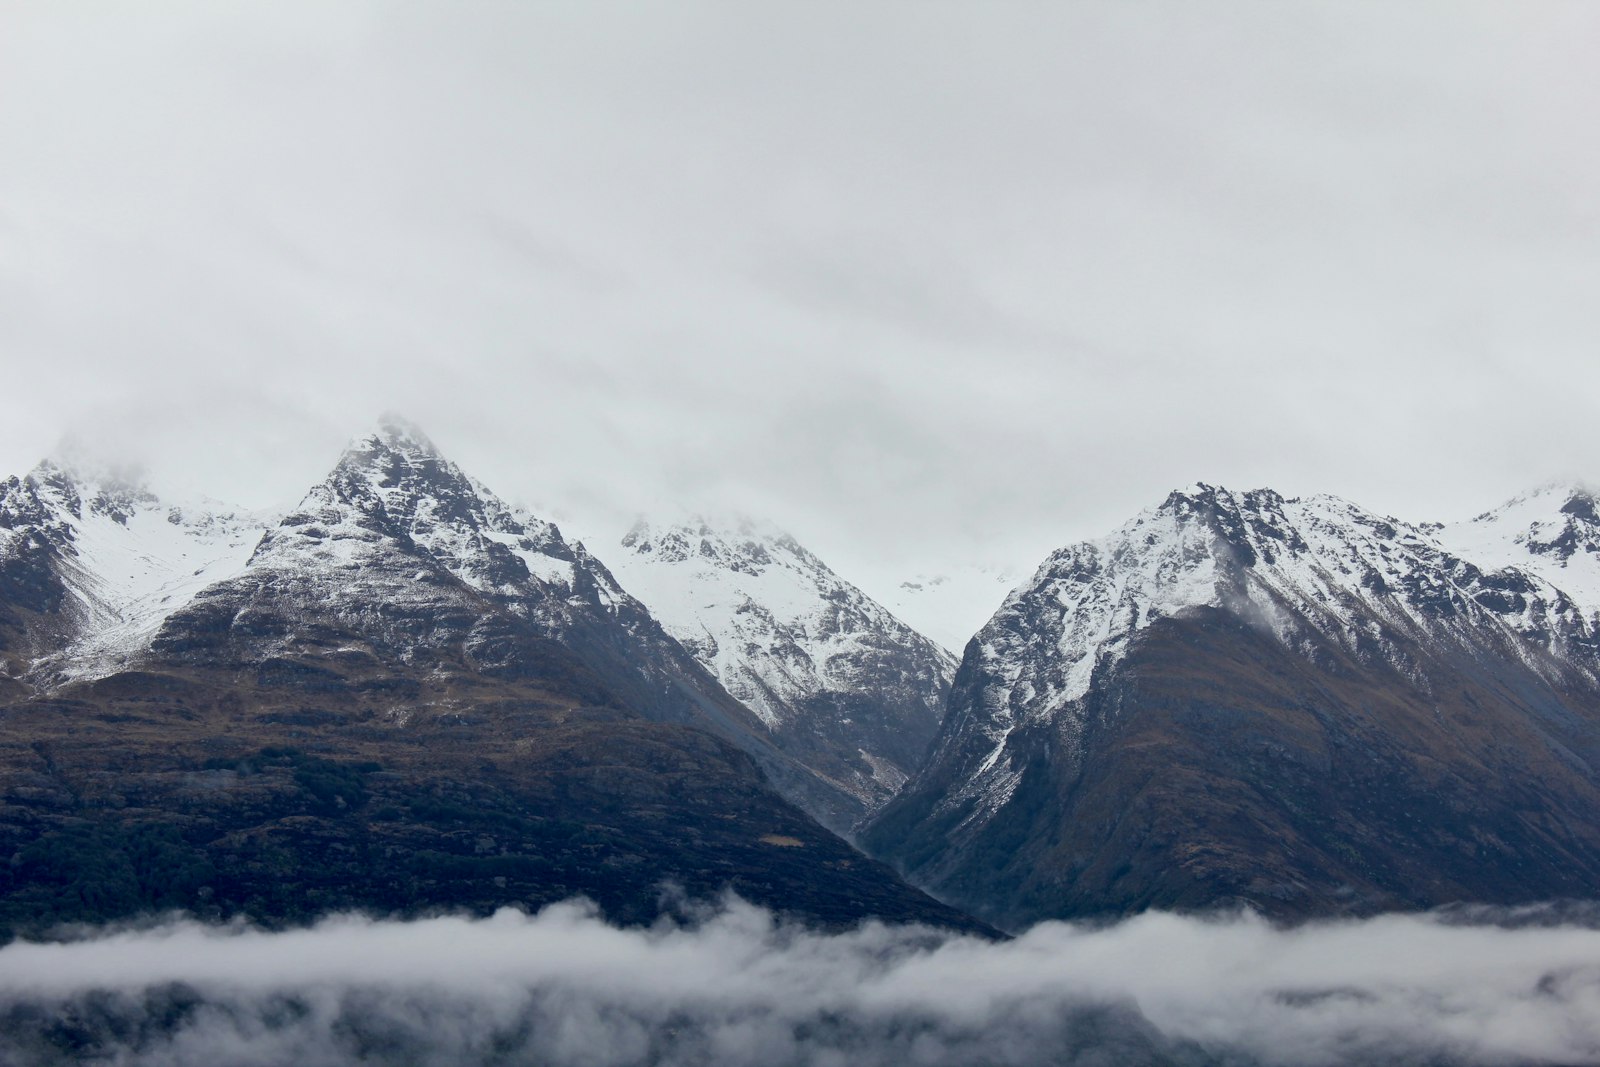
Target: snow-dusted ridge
394, 482
770, 619
1552, 531
1303, 569
125, 559
809, 652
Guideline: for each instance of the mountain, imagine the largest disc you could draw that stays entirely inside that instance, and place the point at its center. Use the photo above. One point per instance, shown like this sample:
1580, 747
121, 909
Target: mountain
951, 604
843, 686
401, 543
404, 696
1288, 703
1552, 532
92, 562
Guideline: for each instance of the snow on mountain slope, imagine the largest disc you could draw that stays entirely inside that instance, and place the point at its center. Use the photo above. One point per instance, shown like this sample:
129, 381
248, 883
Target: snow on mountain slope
396, 525
951, 605
1553, 532
768, 617
124, 559
399, 556
392, 493
1238, 698
1304, 570
810, 653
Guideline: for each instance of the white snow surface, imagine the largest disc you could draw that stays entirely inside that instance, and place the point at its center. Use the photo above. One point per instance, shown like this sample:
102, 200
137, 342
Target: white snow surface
1551, 532
768, 618
130, 560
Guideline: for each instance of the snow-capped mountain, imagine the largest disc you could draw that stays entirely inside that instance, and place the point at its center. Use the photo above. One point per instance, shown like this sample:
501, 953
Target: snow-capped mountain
400, 555
1244, 611
404, 695
1552, 532
405, 548
102, 562
951, 604
841, 682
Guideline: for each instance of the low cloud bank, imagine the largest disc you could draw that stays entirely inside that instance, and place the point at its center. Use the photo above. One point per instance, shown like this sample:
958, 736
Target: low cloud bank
736, 986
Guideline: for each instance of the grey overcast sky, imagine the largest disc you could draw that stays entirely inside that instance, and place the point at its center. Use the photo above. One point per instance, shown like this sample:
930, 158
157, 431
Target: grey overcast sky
917, 280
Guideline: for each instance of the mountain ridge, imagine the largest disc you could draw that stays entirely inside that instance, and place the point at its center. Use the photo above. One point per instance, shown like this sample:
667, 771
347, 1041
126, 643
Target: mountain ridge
406, 697
838, 680
1313, 611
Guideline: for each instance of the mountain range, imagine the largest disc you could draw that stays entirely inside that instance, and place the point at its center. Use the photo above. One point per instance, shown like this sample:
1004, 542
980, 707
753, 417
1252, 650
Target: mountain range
403, 693
1289, 704
400, 694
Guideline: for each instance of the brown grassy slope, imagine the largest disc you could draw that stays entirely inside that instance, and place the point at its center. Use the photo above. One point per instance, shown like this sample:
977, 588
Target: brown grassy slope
325, 779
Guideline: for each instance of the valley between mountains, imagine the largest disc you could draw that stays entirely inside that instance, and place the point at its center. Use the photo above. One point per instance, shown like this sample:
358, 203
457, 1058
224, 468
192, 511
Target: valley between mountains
404, 695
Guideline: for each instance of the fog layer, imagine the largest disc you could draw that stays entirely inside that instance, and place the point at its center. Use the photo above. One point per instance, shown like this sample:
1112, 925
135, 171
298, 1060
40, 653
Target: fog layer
738, 987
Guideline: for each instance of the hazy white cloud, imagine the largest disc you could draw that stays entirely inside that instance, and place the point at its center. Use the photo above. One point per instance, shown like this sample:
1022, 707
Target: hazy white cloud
737, 987
916, 280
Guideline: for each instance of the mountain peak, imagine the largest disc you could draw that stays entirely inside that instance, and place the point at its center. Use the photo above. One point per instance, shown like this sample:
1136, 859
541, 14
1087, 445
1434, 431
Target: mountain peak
400, 433
397, 464
1581, 504
1206, 499
736, 542
80, 482
1566, 496
1552, 531
394, 443
1138, 682
831, 672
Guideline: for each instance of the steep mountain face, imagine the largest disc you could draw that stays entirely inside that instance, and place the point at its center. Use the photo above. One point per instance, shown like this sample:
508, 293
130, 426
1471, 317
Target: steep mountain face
92, 563
1289, 703
843, 686
406, 696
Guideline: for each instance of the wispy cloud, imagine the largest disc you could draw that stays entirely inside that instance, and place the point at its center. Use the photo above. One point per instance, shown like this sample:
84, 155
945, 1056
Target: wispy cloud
738, 987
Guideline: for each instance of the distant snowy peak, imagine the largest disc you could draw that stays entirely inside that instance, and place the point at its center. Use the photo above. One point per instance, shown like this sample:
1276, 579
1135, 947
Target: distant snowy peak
838, 679
1308, 571
1136, 715
769, 618
120, 559
1553, 532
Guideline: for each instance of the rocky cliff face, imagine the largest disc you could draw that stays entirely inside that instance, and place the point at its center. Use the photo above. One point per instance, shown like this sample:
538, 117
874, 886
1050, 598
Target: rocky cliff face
1239, 697
843, 686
